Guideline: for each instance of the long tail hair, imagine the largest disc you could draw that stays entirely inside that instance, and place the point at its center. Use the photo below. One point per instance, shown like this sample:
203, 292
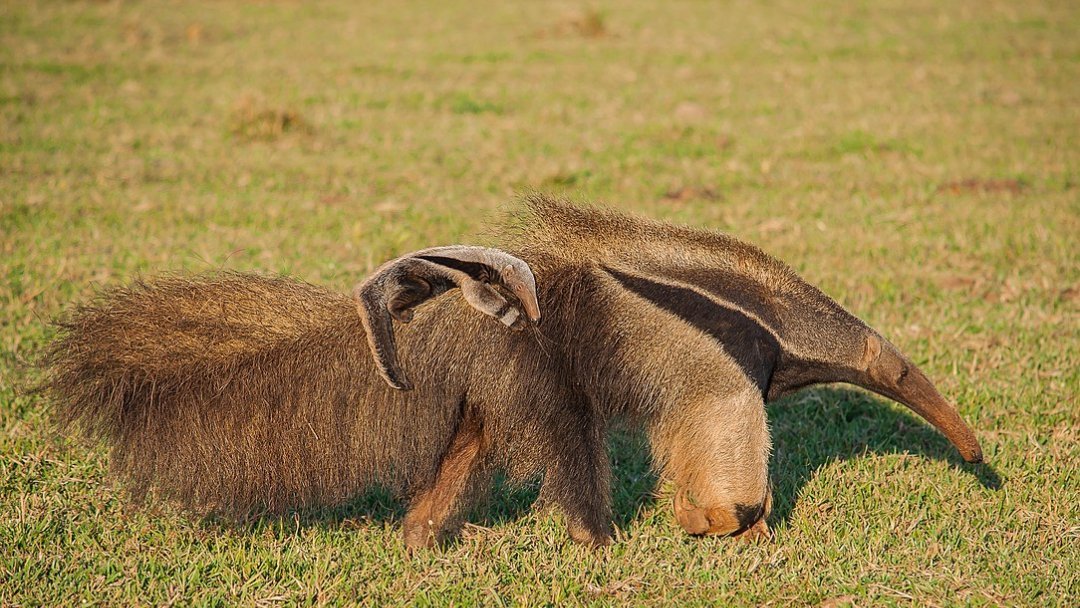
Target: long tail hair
227, 392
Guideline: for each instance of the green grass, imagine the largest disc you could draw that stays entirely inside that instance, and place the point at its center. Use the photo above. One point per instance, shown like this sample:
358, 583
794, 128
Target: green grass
917, 160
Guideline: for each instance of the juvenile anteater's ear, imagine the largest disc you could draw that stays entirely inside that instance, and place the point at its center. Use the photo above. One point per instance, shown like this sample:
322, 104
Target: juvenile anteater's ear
398, 286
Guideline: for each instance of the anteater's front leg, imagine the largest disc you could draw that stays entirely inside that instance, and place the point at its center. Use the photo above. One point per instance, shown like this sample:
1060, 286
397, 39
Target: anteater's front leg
718, 457
433, 508
578, 480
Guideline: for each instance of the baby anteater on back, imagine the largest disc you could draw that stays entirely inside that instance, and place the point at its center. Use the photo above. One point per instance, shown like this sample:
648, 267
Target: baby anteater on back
237, 393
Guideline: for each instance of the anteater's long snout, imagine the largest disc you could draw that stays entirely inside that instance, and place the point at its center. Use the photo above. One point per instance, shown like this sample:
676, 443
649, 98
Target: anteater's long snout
892, 375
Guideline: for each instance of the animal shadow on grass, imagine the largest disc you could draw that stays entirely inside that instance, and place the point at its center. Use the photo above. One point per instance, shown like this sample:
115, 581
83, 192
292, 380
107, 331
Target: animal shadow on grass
497, 501
827, 424
633, 485
810, 431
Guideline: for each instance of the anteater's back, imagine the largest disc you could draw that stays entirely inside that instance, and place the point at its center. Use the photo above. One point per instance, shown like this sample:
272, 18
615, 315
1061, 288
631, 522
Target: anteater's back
235, 392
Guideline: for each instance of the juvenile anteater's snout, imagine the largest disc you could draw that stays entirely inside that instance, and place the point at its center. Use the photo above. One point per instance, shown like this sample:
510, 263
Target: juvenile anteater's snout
518, 278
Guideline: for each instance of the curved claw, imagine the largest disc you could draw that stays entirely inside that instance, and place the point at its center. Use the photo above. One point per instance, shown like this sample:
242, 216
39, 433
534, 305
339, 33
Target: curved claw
398, 286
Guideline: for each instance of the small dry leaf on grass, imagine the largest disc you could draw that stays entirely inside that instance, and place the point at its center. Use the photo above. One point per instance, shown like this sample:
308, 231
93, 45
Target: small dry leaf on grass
254, 120
194, 33
690, 112
588, 23
333, 199
973, 185
692, 193
959, 282
615, 589
1070, 294
838, 602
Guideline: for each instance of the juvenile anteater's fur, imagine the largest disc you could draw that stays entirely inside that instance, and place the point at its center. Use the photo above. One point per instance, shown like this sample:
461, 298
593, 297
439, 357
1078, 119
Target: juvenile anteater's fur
235, 392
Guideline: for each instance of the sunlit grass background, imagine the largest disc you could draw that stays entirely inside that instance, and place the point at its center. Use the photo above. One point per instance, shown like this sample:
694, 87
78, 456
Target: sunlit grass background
917, 160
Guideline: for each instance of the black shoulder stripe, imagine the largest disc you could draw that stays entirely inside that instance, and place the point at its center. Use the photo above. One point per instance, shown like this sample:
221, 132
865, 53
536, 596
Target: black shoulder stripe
753, 347
475, 270
746, 294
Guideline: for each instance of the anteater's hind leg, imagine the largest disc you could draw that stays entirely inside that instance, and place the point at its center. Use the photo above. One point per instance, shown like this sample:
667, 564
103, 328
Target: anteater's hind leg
431, 510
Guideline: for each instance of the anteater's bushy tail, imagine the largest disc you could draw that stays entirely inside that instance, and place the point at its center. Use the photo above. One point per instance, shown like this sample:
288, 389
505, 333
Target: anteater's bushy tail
228, 392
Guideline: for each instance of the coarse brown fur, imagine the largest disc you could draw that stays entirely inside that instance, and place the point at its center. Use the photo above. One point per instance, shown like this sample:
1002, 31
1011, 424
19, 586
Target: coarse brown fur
234, 392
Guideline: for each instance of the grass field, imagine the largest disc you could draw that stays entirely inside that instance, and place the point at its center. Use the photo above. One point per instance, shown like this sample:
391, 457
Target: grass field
917, 160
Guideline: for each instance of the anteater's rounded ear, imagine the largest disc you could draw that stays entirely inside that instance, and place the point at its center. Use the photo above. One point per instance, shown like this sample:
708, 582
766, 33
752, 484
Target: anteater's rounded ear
400, 285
